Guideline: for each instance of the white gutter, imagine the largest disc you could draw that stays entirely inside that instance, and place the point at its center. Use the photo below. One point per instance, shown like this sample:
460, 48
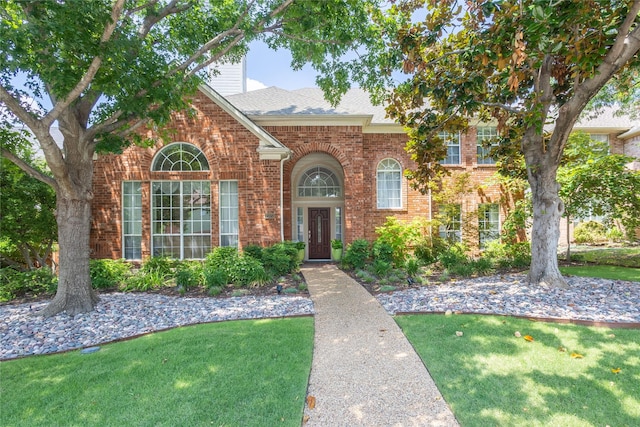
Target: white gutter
284, 159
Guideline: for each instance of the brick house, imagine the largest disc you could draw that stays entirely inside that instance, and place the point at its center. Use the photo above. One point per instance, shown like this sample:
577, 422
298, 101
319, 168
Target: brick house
271, 165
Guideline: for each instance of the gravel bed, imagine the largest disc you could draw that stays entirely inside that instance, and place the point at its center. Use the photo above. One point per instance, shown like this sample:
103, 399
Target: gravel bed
121, 315
588, 299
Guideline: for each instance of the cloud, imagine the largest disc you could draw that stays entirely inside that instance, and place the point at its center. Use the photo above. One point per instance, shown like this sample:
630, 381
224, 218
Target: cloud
254, 85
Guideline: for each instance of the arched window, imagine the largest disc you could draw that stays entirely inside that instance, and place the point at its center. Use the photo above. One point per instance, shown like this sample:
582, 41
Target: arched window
389, 174
180, 157
319, 182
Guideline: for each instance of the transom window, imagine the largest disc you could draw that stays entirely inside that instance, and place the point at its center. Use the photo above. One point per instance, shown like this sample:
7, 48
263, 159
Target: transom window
452, 141
389, 184
485, 141
180, 157
319, 182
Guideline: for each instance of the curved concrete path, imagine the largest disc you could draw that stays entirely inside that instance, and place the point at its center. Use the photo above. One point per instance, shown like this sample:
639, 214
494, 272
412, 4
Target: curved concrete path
364, 371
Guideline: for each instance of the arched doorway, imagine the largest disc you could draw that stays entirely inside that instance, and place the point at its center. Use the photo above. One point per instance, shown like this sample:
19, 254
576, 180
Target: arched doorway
318, 203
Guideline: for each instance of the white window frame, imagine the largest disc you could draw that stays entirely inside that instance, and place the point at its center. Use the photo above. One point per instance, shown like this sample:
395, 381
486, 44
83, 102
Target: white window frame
488, 226
229, 213
389, 184
453, 148
483, 153
451, 227
132, 220
180, 157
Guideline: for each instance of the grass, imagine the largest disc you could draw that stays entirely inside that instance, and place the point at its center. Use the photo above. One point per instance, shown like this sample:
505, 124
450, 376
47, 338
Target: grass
491, 377
604, 272
624, 257
249, 373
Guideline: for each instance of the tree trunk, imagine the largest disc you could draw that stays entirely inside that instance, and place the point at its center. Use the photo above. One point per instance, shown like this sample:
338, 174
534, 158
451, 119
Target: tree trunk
547, 211
74, 294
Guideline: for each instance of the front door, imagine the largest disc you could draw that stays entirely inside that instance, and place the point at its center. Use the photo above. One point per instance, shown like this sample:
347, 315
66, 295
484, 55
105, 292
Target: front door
319, 234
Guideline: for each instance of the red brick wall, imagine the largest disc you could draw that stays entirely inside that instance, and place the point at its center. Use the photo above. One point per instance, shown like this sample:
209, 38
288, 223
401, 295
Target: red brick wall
232, 154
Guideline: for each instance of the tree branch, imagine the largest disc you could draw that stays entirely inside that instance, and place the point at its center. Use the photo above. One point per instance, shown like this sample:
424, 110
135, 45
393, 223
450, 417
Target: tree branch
502, 106
151, 20
86, 79
27, 168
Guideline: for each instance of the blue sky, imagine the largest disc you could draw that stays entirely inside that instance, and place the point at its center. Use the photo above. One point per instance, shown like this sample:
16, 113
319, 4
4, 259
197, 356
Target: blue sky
273, 68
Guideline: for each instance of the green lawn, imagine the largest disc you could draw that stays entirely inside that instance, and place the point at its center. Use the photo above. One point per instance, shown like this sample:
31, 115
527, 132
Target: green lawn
626, 257
490, 377
243, 373
604, 272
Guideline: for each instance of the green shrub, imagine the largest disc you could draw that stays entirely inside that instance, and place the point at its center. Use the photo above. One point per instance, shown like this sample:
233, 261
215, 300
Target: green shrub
215, 290
387, 288
412, 265
14, 283
365, 276
302, 287
281, 258
464, 269
162, 265
590, 232
108, 273
512, 255
427, 249
246, 271
482, 265
254, 251
381, 268
454, 255
357, 254
382, 251
221, 257
145, 281
215, 277
614, 234
190, 274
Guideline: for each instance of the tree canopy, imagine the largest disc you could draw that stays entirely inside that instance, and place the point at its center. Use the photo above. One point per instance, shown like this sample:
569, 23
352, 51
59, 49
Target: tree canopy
529, 67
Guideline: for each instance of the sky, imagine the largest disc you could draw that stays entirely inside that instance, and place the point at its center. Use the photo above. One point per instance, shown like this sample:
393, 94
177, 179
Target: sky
266, 67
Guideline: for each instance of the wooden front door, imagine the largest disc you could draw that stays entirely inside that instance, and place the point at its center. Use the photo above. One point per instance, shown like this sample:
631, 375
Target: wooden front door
319, 234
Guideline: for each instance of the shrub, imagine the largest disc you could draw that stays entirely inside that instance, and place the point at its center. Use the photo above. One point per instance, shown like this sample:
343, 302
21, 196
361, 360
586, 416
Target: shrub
190, 274
453, 256
221, 257
357, 254
215, 278
382, 251
482, 265
464, 269
145, 281
281, 258
246, 271
590, 232
381, 267
14, 283
254, 251
412, 265
108, 273
427, 249
614, 234
215, 291
161, 265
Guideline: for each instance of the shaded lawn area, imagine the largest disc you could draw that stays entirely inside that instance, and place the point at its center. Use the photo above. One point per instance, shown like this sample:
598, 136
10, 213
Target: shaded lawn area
604, 272
240, 373
564, 377
627, 257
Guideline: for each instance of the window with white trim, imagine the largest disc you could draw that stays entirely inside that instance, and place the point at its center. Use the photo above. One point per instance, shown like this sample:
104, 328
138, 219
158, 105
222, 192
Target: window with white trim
389, 184
180, 156
452, 142
319, 182
229, 224
181, 219
485, 141
132, 220
488, 223
450, 222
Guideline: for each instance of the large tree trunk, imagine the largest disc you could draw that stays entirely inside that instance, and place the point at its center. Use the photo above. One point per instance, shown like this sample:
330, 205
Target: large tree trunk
74, 294
547, 212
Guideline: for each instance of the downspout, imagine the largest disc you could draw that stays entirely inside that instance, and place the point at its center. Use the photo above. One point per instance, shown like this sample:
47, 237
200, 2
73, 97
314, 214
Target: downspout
282, 195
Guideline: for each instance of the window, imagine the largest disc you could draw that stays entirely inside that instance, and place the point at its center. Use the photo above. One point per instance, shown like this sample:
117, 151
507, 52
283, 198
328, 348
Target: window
488, 223
319, 182
181, 219
452, 141
229, 213
389, 184
484, 137
300, 224
338, 223
180, 156
451, 218
132, 220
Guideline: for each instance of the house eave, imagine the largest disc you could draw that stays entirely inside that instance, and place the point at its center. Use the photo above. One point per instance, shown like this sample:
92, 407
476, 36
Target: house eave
311, 120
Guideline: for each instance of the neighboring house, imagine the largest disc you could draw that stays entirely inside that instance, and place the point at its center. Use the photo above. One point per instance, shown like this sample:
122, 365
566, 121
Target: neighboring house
272, 165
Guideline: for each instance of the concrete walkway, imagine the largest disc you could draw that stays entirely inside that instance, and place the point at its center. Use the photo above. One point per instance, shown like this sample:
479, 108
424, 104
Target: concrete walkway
364, 371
